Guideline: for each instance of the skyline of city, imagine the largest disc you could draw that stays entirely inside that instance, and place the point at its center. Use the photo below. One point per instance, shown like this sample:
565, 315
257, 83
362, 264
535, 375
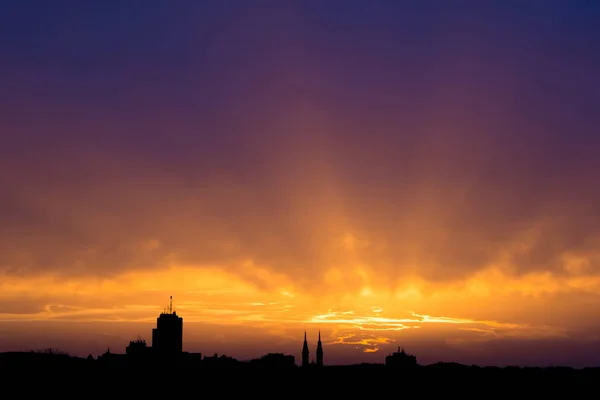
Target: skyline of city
418, 174
166, 347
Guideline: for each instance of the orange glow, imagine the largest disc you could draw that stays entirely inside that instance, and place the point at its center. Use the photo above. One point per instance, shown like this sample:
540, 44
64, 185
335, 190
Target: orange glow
486, 306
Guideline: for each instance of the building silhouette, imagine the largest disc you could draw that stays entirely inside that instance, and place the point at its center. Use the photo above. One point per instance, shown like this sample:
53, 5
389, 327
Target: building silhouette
400, 359
167, 344
305, 353
319, 351
275, 360
109, 358
138, 352
167, 337
222, 361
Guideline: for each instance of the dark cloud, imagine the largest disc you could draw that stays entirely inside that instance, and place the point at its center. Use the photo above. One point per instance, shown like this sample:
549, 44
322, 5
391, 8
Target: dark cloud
20, 306
271, 145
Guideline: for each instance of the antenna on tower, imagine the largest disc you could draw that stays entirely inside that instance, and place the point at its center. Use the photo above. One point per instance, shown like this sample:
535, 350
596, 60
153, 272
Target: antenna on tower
170, 304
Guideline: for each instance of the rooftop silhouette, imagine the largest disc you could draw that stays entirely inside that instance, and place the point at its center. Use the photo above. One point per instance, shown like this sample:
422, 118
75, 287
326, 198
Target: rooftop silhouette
167, 351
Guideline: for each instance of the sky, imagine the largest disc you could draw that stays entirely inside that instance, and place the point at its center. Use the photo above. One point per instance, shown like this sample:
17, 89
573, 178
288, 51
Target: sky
417, 174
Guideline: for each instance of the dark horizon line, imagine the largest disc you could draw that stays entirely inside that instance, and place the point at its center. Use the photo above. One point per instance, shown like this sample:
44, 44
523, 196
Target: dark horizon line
50, 352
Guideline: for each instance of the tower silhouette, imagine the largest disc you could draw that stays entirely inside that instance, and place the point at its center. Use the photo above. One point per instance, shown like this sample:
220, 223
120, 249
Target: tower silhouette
167, 337
319, 352
305, 361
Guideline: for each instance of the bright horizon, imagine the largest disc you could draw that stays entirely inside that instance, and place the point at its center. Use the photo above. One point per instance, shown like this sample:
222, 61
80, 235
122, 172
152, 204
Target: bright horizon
355, 327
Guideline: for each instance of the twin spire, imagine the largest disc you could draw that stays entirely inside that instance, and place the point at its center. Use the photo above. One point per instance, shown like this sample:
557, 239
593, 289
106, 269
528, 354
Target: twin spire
319, 342
305, 352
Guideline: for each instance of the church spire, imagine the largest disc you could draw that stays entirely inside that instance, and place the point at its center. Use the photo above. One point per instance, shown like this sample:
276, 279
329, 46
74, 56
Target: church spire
319, 351
305, 360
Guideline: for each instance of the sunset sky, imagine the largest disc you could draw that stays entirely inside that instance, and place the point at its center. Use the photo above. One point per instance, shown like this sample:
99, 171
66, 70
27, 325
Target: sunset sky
422, 174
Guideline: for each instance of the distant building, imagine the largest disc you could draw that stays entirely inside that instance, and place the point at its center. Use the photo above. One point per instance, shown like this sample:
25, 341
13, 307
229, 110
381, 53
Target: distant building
191, 359
112, 359
400, 359
167, 344
220, 362
319, 352
275, 360
138, 353
167, 337
305, 353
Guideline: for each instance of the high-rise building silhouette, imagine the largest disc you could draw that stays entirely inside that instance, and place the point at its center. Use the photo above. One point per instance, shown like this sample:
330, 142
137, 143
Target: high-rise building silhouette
319, 352
305, 361
167, 337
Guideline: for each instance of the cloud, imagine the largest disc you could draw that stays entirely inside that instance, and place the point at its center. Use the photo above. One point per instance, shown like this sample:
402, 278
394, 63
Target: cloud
212, 301
367, 343
455, 169
22, 306
295, 229
375, 324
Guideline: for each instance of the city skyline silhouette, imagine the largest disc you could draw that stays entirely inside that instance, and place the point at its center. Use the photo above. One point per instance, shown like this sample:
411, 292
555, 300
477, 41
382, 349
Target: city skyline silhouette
166, 350
383, 176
